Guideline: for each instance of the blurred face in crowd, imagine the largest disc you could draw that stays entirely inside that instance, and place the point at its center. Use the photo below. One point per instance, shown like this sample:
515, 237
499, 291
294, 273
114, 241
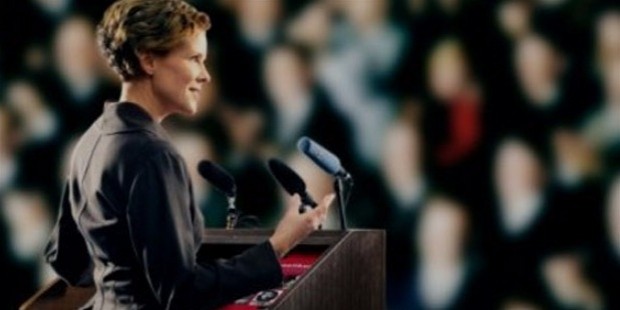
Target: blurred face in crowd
193, 148
38, 122
537, 64
514, 18
260, 15
608, 35
518, 173
613, 214
365, 14
442, 231
75, 48
244, 127
402, 160
564, 277
178, 77
29, 223
611, 80
312, 26
286, 76
5, 132
448, 70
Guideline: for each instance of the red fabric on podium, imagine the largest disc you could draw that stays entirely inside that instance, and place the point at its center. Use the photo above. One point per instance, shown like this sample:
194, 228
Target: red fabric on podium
293, 266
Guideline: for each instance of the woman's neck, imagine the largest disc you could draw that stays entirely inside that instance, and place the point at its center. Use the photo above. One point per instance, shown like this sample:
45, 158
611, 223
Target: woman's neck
142, 94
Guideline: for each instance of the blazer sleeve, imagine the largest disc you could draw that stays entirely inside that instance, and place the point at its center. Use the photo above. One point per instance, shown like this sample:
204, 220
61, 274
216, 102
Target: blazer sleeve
66, 250
160, 220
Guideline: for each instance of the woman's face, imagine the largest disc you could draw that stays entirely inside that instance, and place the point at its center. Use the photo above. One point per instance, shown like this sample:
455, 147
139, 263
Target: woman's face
179, 76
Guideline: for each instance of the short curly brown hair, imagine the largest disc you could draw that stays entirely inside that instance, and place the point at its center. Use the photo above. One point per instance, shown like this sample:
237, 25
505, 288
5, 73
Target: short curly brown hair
129, 27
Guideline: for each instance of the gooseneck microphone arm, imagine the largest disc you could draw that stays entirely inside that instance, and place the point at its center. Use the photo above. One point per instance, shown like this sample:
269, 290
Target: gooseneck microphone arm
232, 215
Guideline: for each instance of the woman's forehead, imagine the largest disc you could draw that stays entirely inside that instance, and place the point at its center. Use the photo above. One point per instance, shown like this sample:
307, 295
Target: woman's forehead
195, 42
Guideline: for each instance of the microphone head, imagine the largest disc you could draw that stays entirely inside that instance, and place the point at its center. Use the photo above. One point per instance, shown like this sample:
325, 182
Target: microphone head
319, 155
217, 176
289, 179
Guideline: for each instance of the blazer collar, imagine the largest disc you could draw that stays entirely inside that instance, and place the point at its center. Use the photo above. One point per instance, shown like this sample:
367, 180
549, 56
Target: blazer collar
121, 117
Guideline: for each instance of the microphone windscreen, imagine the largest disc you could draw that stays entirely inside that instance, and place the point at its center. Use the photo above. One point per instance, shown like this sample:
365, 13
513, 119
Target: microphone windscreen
319, 155
289, 179
217, 176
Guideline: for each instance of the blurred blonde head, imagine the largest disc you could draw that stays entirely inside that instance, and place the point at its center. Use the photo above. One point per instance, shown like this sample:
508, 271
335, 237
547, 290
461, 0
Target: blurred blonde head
448, 69
514, 18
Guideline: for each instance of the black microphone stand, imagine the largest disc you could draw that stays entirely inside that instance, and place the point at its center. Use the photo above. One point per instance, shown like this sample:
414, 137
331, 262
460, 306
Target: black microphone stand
343, 186
233, 214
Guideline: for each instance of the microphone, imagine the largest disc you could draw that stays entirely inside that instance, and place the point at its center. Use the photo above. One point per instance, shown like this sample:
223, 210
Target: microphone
322, 157
330, 163
291, 182
217, 176
225, 183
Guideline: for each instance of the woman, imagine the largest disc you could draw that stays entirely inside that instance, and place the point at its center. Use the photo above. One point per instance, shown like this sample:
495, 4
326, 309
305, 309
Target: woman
127, 220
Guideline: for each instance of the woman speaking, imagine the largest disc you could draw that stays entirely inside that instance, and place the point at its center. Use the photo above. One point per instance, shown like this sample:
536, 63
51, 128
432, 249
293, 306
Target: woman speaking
127, 221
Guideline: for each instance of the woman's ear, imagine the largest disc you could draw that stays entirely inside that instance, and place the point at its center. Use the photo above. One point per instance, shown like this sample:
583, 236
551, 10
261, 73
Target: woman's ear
147, 62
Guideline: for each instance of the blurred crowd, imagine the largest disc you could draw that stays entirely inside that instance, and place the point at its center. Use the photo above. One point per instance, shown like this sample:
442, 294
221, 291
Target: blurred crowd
483, 136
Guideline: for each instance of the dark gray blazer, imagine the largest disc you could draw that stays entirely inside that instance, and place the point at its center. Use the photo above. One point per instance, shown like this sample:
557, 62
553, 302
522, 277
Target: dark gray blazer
128, 223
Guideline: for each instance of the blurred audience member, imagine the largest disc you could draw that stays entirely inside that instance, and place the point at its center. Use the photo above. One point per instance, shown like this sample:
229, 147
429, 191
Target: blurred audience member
402, 163
75, 86
407, 187
244, 129
602, 128
521, 233
301, 107
551, 96
539, 67
39, 137
514, 18
312, 27
607, 255
194, 148
255, 28
568, 284
357, 70
608, 36
577, 188
28, 221
9, 142
445, 275
454, 123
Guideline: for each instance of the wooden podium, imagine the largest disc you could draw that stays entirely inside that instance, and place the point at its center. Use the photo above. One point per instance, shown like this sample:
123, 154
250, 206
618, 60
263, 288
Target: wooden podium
349, 274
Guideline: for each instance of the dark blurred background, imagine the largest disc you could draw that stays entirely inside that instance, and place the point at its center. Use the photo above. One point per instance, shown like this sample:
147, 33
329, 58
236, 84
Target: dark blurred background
484, 136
